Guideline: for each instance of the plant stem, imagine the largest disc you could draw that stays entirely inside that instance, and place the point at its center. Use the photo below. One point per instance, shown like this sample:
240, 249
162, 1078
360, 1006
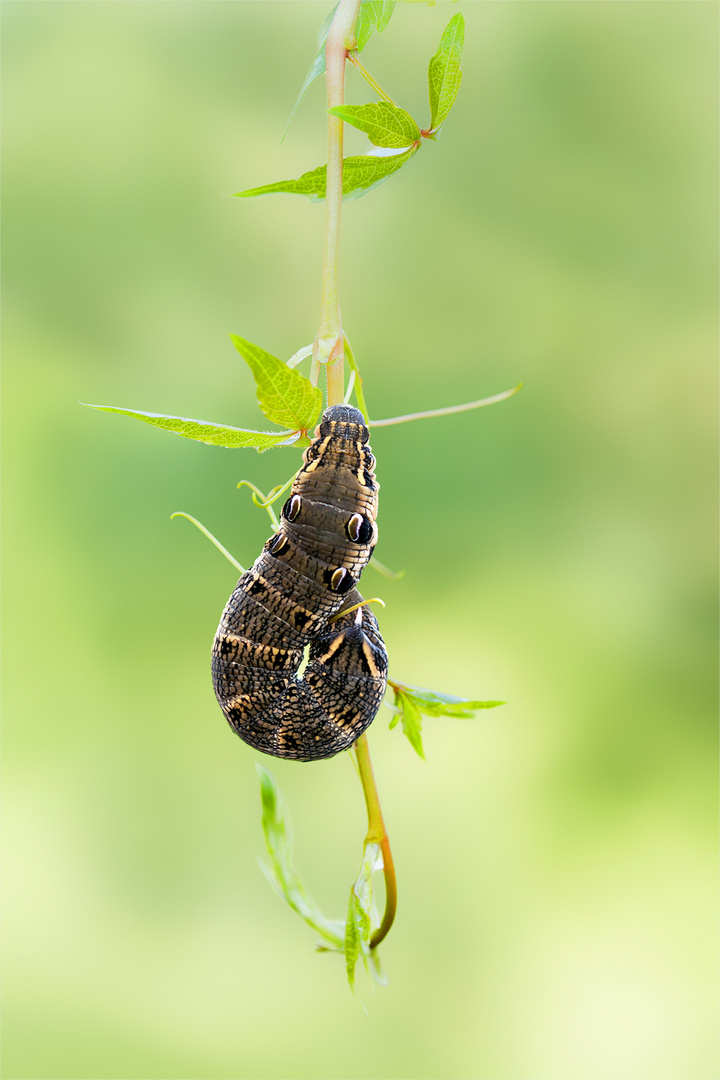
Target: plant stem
213, 539
329, 348
377, 834
328, 345
359, 396
353, 58
448, 410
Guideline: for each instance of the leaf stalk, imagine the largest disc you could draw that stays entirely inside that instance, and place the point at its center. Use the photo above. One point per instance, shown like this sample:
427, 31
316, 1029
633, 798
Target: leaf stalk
359, 395
353, 58
213, 539
377, 834
448, 410
328, 345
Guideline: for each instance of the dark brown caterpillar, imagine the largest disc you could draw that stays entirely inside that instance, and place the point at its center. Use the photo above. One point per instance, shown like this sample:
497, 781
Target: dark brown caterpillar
307, 574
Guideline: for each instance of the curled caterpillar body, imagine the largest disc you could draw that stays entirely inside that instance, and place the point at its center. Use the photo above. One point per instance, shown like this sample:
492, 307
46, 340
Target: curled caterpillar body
305, 577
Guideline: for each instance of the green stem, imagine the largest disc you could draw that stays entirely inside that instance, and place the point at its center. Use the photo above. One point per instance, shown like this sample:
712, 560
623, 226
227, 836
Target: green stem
213, 539
353, 58
363, 603
448, 411
377, 834
328, 346
359, 396
262, 501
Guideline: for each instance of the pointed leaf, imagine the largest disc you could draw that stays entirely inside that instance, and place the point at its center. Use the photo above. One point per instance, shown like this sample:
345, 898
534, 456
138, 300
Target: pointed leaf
354, 930
361, 916
285, 396
410, 702
317, 68
411, 721
374, 15
360, 175
283, 875
434, 704
207, 432
444, 74
383, 123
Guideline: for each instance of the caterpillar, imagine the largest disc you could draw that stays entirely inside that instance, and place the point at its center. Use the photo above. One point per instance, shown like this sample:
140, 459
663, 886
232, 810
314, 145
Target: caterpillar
297, 594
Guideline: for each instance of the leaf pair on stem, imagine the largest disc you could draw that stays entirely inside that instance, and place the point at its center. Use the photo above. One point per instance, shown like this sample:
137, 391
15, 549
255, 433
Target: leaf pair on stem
387, 126
285, 397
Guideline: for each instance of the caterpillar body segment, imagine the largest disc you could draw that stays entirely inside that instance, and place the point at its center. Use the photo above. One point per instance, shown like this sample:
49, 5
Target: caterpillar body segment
306, 575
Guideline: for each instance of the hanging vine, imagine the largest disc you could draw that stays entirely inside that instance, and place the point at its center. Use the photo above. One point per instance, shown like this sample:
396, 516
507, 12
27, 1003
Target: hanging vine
260, 664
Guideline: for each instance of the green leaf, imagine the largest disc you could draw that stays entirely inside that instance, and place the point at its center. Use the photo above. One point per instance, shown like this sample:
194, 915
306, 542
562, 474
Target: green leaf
317, 68
434, 704
411, 721
410, 702
360, 174
374, 15
354, 930
383, 123
282, 874
444, 74
213, 434
362, 916
285, 396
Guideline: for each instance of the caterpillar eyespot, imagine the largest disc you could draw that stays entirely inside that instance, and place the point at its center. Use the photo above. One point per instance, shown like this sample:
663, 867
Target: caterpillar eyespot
278, 545
341, 582
359, 529
291, 509
280, 605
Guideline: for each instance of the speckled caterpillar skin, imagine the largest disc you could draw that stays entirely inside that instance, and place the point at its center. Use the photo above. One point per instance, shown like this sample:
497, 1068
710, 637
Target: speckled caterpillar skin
307, 574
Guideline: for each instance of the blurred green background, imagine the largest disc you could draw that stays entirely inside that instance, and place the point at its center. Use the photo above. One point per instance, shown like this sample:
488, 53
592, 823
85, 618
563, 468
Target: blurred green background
556, 857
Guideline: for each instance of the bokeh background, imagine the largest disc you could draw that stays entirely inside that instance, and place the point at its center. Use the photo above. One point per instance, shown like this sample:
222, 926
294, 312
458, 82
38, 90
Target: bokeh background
556, 857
